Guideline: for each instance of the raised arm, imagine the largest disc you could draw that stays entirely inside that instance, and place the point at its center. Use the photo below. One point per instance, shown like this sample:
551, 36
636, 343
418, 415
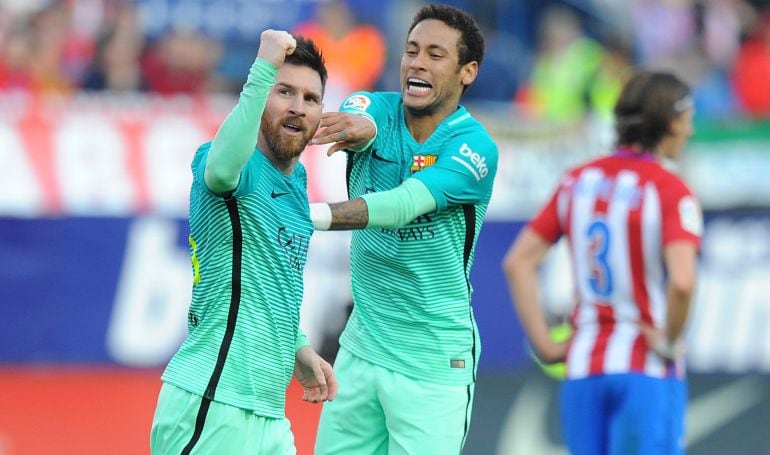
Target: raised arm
237, 136
387, 209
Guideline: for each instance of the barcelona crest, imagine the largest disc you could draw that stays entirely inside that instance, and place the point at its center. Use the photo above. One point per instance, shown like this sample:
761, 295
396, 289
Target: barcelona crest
420, 162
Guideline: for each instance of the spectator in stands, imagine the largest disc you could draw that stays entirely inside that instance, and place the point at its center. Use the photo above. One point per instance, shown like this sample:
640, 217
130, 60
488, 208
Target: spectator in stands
41, 52
751, 71
662, 29
182, 62
15, 55
354, 53
60, 53
504, 68
116, 66
564, 69
607, 82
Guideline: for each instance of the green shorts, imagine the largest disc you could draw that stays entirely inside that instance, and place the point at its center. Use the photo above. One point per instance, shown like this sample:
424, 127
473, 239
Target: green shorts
225, 428
381, 412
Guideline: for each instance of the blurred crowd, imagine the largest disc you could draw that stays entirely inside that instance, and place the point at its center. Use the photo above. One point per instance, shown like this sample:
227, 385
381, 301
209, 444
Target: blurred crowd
575, 65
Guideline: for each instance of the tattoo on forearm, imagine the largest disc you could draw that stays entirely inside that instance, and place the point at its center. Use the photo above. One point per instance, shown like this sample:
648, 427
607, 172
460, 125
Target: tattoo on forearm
349, 215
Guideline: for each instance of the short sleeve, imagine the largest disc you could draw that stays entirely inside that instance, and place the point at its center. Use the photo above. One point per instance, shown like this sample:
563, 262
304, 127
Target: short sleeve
199, 164
682, 216
546, 222
463, 173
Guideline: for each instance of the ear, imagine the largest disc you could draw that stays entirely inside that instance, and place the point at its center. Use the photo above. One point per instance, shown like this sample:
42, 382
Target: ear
468, 72
678, 125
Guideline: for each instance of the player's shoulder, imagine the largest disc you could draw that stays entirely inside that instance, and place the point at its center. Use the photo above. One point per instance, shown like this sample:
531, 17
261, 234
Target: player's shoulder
573, 173
389, 98
203, 149
670, 183
650, 171
601, 162
200, 154
300, 173
663, 175
467, 131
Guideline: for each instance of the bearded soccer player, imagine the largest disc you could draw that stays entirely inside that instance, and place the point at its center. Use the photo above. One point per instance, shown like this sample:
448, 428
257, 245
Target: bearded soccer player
420, 173
224, 390
634, 229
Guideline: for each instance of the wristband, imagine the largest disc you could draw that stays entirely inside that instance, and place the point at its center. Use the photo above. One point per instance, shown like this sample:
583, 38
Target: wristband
321, 215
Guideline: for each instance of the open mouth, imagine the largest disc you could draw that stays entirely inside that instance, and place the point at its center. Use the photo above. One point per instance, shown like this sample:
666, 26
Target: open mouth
415, 86
292, 128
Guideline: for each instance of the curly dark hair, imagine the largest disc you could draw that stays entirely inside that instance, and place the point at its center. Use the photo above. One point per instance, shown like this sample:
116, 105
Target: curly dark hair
471, 45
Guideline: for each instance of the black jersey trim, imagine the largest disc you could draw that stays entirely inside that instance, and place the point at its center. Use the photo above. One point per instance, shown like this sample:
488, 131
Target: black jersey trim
348, 170
232, 316
467, 416
469, 211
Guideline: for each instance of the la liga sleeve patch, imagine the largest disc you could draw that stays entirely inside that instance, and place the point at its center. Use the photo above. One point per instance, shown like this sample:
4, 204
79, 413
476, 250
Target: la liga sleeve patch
357, 102
690, 215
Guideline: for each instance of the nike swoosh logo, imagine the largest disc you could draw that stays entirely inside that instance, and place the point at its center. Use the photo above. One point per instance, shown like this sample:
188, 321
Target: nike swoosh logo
524, 430
380, 158
274, 195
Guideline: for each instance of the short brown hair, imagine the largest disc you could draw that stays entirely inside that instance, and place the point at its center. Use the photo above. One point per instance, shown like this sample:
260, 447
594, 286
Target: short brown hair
647, 104
307, 54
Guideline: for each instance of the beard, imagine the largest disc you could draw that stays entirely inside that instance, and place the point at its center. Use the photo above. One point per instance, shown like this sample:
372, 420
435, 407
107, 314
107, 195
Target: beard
282, 146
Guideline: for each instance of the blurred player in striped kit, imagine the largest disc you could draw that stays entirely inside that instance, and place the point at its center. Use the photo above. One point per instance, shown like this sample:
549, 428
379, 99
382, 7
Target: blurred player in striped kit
634, 230
224, 389
420, 178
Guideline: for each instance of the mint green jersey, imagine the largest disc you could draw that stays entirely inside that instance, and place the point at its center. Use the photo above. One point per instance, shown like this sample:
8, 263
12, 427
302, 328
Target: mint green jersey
248, 254
412, 294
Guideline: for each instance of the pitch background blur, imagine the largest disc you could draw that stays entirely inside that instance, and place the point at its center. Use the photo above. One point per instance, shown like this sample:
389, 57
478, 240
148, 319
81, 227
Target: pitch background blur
95, 148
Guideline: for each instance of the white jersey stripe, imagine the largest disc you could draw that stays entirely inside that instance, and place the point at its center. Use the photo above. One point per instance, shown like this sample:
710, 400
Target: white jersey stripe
618, 357
617, 218
654, 366
653, 261
584, 197
579, 357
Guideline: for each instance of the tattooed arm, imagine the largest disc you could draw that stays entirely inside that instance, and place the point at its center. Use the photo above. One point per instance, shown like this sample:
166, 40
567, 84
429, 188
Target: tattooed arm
388, 209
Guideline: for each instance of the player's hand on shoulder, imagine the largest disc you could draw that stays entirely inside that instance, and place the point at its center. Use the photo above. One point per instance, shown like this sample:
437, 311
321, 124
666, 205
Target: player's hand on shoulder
275, 45
345, 131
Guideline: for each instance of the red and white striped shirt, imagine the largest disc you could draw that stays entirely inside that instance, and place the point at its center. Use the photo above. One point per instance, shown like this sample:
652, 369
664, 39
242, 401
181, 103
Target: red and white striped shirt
618, 213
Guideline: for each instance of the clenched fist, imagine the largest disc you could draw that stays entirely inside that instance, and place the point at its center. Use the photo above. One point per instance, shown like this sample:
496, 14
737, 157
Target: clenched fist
275, 45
